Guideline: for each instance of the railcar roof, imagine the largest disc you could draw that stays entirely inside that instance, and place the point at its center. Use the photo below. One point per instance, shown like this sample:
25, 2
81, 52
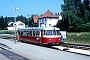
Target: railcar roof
40, 28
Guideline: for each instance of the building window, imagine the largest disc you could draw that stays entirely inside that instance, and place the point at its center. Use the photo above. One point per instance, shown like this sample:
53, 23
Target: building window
42, 19
45, 25
50, 18
45, 19
39, 20
20, 24
49, 25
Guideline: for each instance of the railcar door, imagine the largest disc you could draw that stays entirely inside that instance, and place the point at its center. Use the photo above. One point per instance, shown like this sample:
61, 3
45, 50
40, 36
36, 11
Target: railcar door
42, 33
17, 35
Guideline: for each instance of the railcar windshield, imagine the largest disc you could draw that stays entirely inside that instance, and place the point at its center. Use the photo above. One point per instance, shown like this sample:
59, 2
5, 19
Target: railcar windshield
53, 32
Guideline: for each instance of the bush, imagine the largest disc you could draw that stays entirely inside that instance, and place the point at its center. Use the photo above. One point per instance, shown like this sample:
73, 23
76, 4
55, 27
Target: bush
3, 29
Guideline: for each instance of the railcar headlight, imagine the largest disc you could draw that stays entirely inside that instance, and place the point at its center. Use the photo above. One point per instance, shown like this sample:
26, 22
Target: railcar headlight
50, 39
59, 39
37, 38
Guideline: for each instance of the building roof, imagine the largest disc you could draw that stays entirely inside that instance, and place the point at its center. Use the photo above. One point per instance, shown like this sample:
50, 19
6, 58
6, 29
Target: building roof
40, 28
45, 15
10, 23
19, 22
49, 14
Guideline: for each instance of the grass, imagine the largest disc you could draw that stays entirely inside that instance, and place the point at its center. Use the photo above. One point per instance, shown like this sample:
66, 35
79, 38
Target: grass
72, 37
82, 37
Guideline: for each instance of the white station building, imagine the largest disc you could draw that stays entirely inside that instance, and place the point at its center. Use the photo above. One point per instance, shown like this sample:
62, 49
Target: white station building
18, 24
48, 19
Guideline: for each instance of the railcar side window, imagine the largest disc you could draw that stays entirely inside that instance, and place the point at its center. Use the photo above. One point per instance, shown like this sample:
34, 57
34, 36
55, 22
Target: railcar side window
54, 32
41, 32
49, 32
24, 33
58, 32
30, 33
37, 33
44, 32
21, 33
27, 33
33, 33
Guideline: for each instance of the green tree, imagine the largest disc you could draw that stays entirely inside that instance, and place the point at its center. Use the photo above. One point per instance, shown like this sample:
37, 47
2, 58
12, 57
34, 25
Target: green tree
6, 22
3, 23
22, 19
87, 4
71, 15
31, 21
74, 13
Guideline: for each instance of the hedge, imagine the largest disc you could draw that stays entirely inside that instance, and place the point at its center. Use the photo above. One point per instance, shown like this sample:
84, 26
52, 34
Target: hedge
6, 32
82, 28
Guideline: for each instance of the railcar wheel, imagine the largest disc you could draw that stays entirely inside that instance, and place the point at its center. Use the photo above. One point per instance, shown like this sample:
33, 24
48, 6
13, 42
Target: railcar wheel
49, 45
41, 45
59, 44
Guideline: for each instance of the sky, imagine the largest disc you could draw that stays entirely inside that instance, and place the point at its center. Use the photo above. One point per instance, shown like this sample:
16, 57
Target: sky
29, 7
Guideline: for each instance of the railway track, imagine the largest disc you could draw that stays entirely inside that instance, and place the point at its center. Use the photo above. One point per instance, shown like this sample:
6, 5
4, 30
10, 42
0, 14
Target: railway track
76, 46
68, 45
71, 45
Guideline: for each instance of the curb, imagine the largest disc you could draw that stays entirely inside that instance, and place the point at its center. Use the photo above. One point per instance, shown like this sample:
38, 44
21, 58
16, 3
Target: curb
78, 53
67, 50
4, 46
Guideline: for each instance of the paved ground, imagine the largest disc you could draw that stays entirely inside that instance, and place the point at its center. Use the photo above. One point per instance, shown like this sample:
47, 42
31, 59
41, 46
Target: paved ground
8, 55
16, 48
2, 57
33, 52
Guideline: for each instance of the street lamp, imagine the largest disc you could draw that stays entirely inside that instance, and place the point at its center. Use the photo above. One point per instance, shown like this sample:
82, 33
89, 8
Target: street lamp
15, 25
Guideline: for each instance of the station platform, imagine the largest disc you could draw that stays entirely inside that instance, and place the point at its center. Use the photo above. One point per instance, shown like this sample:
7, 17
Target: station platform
73, 50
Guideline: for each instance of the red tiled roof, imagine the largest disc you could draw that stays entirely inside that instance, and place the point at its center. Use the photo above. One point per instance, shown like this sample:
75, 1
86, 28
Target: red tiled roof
35, 18
47, 14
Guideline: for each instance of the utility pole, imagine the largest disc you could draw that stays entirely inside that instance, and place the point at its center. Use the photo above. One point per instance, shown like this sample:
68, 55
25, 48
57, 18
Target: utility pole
28, 20
15, 25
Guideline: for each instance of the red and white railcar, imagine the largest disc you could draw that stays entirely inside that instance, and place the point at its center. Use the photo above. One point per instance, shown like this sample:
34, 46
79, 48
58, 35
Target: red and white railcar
40, 35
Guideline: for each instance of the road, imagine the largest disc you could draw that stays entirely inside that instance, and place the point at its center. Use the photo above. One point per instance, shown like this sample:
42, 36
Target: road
41, 53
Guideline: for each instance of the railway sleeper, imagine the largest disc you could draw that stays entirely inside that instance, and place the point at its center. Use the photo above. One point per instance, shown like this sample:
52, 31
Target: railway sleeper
71, 46
86, 48
80, 47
